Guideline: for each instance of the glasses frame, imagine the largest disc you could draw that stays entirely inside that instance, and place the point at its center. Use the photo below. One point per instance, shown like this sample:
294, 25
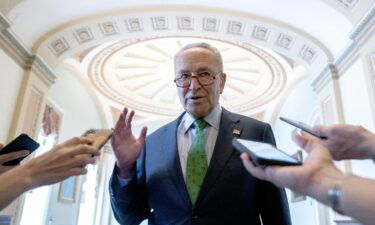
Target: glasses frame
197, 77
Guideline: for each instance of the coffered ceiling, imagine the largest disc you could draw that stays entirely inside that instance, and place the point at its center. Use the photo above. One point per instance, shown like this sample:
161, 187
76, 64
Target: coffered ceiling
124, 49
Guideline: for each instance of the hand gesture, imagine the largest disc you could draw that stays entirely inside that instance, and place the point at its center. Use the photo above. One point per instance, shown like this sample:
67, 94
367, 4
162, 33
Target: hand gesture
126, 147
347, 141
10, 156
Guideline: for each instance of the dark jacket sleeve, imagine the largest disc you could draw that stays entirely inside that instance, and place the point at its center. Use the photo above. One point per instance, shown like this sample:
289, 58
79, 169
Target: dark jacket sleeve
273, 201
129, 203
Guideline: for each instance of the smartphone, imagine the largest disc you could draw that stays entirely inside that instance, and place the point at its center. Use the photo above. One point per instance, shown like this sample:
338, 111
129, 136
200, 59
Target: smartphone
22, 142
301, 126
264, 154
99, 136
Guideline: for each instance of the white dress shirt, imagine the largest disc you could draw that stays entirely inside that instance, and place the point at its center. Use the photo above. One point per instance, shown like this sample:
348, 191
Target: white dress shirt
186, 133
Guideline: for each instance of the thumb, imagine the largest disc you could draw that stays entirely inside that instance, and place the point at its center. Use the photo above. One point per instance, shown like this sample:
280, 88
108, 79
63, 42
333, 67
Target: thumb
13, 155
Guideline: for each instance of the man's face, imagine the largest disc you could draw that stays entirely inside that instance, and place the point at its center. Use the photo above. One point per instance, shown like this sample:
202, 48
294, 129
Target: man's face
199, 100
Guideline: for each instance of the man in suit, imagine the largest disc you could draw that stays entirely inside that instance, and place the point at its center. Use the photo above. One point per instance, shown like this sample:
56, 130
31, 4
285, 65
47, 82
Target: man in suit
187, 172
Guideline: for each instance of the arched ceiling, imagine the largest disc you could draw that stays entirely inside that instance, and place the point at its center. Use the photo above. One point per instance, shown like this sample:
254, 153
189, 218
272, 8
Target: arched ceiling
296, 14
140, 75
124, 49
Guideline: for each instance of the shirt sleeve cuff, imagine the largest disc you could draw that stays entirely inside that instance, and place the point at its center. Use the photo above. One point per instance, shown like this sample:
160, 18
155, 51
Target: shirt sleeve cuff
122, 181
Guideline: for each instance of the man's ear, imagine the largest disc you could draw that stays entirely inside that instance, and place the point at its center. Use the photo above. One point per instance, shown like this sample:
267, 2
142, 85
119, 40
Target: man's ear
223, 78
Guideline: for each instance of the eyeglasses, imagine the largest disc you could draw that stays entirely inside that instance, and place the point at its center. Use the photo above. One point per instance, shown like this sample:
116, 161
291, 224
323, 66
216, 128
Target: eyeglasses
204, 78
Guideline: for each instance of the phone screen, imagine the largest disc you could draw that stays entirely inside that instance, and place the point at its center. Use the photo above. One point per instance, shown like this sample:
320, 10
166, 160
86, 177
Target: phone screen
264, 154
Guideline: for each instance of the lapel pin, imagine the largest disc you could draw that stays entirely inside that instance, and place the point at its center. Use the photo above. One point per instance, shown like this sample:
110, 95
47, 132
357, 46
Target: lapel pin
236, 132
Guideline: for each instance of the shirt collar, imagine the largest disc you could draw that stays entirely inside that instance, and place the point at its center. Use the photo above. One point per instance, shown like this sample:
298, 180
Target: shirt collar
213, 118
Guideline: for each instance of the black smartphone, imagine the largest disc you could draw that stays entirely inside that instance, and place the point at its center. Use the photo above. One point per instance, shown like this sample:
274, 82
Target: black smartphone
22, 142
301, 126
264, 154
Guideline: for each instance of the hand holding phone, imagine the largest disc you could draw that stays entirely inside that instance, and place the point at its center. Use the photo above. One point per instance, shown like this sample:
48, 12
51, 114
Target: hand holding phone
22, 142
264, 154
99, 137
301, 126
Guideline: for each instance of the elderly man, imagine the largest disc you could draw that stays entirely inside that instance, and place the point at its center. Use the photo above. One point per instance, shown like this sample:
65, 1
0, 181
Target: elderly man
187, 172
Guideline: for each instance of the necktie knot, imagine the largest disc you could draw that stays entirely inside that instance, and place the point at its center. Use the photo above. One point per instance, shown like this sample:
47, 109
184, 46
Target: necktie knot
200, 124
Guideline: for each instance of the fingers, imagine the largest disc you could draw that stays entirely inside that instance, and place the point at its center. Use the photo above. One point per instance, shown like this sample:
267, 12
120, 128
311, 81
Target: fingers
142, 135
251, 168
322, 131
1, 146
73, 142
13, 155
83, 149
128, 122
120, 122
82, 160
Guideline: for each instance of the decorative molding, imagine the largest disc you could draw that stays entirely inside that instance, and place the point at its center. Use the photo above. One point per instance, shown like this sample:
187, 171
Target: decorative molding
20, 54
108, 28
134, 24
348, 3
43, 70
235, 27
59, 46
83, 35
261, 33
159, 22
364, 24
284, 40
211, 24
372, 65
346, 54
4, 22
308, 54
185, 23
324, 77
16, 45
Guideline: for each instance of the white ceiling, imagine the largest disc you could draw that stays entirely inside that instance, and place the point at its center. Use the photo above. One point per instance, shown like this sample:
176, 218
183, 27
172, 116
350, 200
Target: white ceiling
34, 18
109, 43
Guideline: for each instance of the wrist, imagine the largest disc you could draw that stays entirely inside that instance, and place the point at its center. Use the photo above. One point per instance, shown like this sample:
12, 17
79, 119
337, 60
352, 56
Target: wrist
24, 175
334, 196
125, 170
324, 181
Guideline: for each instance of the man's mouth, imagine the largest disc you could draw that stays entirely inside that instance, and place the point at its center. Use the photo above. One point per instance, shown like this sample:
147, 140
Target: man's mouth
195, 97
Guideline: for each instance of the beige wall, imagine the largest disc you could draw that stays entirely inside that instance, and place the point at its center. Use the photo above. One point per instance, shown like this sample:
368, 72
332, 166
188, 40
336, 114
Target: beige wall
10, 82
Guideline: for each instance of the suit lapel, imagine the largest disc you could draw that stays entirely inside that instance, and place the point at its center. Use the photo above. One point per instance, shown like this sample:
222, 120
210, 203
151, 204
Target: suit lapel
222, 151
173, 160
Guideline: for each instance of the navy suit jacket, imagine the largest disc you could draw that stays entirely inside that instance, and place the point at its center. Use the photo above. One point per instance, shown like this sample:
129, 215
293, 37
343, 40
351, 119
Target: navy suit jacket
229, 194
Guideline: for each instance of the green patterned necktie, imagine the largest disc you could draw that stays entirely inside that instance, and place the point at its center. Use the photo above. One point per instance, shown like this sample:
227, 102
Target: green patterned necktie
196, 166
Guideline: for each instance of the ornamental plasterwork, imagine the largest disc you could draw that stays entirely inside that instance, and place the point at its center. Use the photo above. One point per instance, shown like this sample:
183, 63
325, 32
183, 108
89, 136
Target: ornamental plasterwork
349, 3
308, 54
185, 23
134, 24
285, 41
140, 75
159, 23
372, 64
261, 33
83, 35
108, 28
211, 24
59, 46
236, 27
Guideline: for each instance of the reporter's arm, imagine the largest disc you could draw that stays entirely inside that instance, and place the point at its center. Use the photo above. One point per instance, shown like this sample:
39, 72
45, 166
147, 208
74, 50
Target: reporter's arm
62, 161
317, 175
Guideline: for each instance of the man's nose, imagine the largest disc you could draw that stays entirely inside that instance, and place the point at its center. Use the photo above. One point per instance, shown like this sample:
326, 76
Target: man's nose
194, 83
